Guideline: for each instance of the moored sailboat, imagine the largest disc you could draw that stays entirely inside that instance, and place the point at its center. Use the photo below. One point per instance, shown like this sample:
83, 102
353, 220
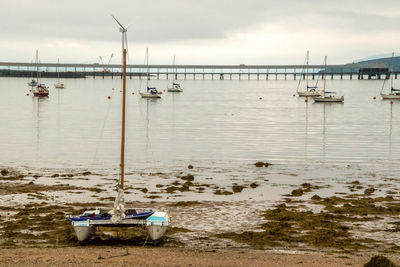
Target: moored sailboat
176, 87
394, 93
156, 222
328, 96
309, 90
41, 89
151, 92
59, 84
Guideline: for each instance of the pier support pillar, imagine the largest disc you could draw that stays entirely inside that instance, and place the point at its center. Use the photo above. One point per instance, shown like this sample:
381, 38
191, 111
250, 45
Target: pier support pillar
332, 76
395, 76
351, 76
341, 76
313, 76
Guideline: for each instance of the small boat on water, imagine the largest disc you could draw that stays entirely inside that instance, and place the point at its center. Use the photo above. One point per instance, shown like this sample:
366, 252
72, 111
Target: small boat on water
309, 90
151, 92
394, 93
41, 89
59, 84
176, 87
328, 96
156, 222
33, 82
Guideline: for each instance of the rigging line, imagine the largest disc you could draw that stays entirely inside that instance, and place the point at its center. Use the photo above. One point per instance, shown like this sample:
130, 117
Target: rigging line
302, 72
316, 84
102, 128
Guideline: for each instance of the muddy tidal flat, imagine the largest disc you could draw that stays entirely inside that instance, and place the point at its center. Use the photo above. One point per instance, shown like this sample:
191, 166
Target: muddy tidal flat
258, 208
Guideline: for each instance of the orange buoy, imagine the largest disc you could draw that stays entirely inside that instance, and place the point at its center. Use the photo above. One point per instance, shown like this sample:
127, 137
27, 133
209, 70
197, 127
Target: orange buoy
374, 97
113, 88
133, 93
260, 98
306, 100
294, 95
27, 94
109, 97
391, 102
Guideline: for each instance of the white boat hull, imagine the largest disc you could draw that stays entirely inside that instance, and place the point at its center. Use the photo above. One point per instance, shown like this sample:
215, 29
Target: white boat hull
390, 96
84, 233
150, 95
156, 225
59, 85
329, 99
308, 93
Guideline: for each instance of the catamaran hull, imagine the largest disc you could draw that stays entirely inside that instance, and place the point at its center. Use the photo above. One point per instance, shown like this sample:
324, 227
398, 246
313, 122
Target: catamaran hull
308, 93
329, 99
84, 233
149, 95
156, 232
389, 96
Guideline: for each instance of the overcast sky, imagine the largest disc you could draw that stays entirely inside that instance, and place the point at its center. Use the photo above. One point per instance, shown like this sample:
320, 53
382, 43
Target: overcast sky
200, 31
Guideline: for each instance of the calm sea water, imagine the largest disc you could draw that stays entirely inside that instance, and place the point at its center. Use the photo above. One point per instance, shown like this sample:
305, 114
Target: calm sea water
210, 121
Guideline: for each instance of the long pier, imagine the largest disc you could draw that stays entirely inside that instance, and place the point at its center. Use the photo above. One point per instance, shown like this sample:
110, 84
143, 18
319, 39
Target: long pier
205, 72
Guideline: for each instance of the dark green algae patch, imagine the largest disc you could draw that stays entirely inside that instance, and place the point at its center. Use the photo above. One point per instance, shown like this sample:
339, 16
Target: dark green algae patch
41, 225
287, 226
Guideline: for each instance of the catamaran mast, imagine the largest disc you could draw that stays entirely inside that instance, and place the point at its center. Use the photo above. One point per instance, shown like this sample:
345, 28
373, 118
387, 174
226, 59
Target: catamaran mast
124, 51
123, 119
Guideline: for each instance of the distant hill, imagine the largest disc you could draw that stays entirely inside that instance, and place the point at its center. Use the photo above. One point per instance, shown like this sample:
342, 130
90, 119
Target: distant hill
377, 61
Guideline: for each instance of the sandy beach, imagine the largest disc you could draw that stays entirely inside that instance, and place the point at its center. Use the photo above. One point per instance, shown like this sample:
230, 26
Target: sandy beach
137, 256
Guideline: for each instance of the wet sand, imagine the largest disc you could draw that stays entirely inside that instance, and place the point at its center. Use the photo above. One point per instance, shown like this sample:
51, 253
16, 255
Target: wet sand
111, 256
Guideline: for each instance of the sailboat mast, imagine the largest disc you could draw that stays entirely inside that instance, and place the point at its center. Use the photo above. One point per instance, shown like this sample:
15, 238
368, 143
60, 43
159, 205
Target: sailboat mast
37, 66
148, 71
308, 54
173, 78
58, 74
123, 119
325, 74
391, 74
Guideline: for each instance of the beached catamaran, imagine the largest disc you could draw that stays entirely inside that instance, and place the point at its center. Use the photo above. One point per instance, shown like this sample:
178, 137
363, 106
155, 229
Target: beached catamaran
155, 221
310, 90
394, 93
